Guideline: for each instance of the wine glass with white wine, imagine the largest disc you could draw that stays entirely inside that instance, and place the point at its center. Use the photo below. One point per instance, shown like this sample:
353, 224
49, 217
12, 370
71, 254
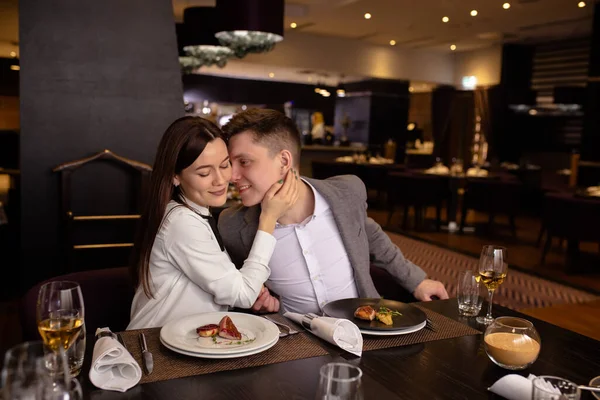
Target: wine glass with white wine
60, 318
492, 272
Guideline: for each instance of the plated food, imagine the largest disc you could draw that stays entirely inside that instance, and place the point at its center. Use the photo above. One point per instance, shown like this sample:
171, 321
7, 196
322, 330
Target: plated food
363, 312
226, 329
383, 315
191, 335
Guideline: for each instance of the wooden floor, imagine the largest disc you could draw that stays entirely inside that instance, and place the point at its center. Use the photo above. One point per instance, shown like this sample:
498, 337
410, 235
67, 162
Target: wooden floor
524, 255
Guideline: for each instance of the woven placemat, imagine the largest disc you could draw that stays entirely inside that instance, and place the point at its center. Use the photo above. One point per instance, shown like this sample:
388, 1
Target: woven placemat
445, 328
171, 365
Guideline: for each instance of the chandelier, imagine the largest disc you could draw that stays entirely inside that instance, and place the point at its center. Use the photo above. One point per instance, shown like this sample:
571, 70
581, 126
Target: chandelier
196, 36
250, 26
206, 55
244, 42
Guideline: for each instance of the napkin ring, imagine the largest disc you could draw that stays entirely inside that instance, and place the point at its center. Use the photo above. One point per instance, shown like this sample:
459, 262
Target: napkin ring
307, 320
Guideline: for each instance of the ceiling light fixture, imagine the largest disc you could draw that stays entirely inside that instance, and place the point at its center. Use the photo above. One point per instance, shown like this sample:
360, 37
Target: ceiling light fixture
368, 16
271, 75
250, 26
445, 19
506, 6
293, 25
392, 42
197, 37
581, 4
474, 13
411, 89
452, 47
13, 54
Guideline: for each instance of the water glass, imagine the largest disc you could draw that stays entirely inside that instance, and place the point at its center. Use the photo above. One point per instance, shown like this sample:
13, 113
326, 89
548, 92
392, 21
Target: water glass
469, 294
554, 388
339, 381
25, 375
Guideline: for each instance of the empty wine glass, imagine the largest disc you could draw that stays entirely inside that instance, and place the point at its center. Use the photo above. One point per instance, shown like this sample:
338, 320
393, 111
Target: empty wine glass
60, 319
25, 375
339, 381
492, 272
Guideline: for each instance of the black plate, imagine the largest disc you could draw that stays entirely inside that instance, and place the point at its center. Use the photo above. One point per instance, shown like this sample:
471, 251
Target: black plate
344, 308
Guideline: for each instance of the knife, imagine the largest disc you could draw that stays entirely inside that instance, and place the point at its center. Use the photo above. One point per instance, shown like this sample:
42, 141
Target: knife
146, 355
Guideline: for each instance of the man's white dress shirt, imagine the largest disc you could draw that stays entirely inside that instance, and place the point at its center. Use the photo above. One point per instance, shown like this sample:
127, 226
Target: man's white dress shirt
310, 264
189, 274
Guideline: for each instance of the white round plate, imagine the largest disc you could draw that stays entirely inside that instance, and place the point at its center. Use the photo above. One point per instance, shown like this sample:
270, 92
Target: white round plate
256, 333
219, 356
394, 333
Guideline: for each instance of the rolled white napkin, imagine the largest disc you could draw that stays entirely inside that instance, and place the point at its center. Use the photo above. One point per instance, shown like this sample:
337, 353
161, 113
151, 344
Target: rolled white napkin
341, 332
517, 387
113, 368
513, 387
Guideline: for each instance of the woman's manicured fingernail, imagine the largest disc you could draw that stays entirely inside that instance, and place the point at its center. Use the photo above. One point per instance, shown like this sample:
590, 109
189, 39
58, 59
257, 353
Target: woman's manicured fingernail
280, 181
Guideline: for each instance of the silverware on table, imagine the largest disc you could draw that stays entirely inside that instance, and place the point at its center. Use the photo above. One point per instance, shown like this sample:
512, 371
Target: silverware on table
429, 325
289, 329
146, 355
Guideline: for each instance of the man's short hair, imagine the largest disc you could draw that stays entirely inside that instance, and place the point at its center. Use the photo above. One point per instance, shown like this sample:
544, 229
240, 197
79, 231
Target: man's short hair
270, 128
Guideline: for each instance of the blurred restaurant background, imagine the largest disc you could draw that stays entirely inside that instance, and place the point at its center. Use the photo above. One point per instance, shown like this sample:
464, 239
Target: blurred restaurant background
470, 122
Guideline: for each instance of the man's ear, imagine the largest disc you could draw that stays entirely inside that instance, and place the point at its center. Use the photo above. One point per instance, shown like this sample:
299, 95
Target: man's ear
286, 160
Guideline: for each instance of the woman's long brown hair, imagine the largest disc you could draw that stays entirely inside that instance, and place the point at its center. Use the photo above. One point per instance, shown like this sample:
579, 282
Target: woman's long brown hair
179, 147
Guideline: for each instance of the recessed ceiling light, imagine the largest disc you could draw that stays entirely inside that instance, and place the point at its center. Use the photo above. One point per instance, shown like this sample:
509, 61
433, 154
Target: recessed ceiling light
392, 42
271, 75
581, 4
474, 13
445, 19
368, 16
13, 54
506, 6
15, 67
310, 78
411, 89
452, 47
293, 25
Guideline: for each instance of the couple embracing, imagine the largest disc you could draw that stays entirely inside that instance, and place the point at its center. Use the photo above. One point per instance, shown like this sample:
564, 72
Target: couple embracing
294, 243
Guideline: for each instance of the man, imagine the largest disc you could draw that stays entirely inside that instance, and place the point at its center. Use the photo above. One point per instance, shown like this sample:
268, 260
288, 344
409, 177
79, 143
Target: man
325, 242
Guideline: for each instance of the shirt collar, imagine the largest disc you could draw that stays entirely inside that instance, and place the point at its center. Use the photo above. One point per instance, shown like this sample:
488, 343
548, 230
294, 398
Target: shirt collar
321, 206
198, 208
320, 203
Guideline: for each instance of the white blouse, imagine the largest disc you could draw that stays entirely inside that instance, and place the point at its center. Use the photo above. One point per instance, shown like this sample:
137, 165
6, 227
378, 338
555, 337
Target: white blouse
189, 274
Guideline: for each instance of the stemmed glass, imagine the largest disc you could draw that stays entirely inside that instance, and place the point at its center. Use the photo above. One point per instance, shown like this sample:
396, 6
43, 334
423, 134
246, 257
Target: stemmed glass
492, 272
25, 375
60, 318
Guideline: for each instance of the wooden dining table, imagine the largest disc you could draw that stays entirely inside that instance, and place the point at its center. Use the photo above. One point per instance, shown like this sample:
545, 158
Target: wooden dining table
455, 368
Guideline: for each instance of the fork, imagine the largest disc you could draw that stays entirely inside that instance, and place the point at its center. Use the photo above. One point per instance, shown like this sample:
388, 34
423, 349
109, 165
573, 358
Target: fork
290, 330
429, 325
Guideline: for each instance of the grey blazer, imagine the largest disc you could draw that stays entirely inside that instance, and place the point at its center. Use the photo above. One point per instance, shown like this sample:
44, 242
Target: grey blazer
366, 243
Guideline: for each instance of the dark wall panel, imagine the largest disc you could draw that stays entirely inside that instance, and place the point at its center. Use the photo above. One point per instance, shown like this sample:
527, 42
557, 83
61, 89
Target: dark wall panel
94, 75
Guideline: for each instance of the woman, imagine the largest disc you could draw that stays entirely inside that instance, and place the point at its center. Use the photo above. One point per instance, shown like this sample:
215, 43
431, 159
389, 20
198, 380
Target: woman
181, 267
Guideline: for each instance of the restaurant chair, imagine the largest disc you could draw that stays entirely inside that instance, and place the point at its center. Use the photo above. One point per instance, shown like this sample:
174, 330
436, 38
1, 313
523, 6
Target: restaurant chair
107, 296
388, 288
493, 197
416, 190
101, 199
569, 217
